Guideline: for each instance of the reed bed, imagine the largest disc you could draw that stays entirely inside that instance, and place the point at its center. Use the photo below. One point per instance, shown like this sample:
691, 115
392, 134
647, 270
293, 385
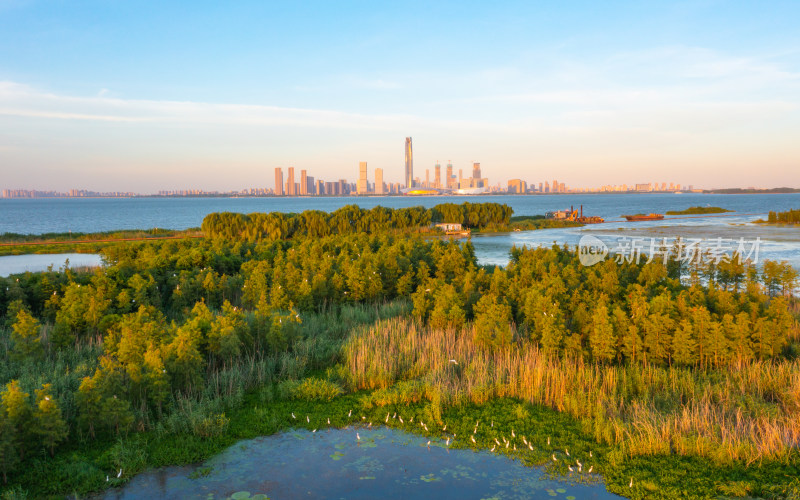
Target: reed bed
747, 412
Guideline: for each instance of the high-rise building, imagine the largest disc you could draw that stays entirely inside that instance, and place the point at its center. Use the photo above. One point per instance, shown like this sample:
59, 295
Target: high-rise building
290, 191
437, 176
363, 186
303, 183
379, 181
427, 178
555, 186
476, 171
450, 177
310, 185
279, 181
409, 164
517, 186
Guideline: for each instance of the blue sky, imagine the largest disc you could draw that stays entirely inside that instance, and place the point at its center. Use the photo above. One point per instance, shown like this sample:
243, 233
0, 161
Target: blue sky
145, 96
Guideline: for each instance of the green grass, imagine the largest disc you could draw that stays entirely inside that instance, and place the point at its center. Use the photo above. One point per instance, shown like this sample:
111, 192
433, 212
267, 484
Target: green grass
699, 211
82, 467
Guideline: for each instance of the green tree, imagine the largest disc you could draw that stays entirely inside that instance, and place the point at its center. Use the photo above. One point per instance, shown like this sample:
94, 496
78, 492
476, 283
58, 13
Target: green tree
9, 452
49, 424
684, 346
492, 322
18, 411
25, 337
601, 336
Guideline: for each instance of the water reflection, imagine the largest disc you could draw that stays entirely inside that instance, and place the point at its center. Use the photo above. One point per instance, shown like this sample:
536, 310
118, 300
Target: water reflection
385, 463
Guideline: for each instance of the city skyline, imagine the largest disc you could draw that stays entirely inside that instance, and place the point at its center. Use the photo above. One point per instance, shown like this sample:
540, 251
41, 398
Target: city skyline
698, 93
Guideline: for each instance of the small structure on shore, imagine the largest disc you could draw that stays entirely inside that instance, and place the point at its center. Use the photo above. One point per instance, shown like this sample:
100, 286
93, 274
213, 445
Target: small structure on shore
452, 228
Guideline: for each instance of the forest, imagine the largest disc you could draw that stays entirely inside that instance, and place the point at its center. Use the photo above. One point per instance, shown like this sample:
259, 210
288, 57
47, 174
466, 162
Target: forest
787, 217
172, 340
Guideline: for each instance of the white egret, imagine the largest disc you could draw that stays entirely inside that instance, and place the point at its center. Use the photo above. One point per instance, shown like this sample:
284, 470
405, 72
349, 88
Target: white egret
566, 451
554, 458
512, 433
507, 443
444, 428
401, 419
350, 413
496, 441
358, 437
590, 469
294, 416
454, 362
472, 438
429, 443
329, 420
387, 418
590, 453
119, 474
548, 440
569, 467
630, 485
314, 430
448, 441
493, 447
106, 478
308, 420
530, 447
412, 420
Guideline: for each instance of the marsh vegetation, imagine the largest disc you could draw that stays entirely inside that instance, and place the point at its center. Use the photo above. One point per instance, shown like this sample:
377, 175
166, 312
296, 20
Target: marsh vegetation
680, 378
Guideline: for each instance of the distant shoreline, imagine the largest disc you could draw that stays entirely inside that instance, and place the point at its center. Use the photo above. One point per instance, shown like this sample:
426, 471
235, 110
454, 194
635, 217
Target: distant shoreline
356, 197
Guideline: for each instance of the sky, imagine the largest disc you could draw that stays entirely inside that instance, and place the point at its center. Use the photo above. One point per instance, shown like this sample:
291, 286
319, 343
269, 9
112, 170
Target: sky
144, 96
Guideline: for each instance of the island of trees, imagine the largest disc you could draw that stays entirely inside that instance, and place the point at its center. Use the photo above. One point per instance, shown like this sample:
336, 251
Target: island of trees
699, 211
681, 375
788, 217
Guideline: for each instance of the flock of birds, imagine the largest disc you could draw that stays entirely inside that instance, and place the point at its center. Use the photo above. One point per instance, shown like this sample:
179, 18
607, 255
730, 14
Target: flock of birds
503, 445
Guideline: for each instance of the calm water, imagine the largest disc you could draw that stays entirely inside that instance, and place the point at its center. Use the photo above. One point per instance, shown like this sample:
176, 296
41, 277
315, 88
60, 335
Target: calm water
16, 264
332, 464
39, 216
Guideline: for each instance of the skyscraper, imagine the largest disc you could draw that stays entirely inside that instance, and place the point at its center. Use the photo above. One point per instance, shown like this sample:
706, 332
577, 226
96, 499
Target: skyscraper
437, 176
363, 186
290, 191
449, 175
409, 164
279, 181
303, 183
476, 171
379, 181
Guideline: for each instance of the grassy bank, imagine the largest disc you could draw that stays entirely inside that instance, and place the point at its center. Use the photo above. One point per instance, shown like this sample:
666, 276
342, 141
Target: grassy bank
82, 468
699, 211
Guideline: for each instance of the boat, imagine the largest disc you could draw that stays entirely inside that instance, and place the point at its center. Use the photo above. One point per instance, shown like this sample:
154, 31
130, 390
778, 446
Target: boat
638, 217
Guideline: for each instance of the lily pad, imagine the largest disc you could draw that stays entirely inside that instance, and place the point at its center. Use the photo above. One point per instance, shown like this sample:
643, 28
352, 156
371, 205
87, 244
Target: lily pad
240, 495
561, 490
337, 455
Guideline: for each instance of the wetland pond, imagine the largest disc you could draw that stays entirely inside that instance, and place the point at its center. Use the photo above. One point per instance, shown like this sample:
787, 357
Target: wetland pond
333, 464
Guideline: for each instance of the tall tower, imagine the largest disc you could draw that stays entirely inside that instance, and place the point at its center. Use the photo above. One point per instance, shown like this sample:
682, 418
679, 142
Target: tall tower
476, 171
409, 164
303, 183
279, 181
363, 186
379, 181
290, 191
449, 175
437, 176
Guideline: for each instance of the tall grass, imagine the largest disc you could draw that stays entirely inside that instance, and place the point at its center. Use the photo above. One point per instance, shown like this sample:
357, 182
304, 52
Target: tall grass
746, 413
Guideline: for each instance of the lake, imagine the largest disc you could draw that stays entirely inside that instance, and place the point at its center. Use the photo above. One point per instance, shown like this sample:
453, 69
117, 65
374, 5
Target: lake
17, 264
39, 216
334, 464
42, 215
